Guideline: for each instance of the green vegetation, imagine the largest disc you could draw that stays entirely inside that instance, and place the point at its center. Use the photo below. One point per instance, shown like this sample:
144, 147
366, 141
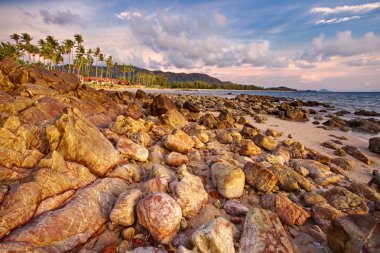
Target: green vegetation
80, 61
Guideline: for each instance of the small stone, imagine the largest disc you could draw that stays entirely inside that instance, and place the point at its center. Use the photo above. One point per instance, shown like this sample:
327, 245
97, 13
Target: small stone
179, 141
123, 211
273, 133
132, 150
128, 233
235, 208
248, 148
374, 145
176, 159
356, 153
329, 144
340, 152
267, 143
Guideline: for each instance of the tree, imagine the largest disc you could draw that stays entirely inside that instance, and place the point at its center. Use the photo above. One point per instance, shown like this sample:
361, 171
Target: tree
16, 37
79, 57
89, 61
26, 38
109, 65
68, 49
9, 50
101, 59
51, 48
96, 54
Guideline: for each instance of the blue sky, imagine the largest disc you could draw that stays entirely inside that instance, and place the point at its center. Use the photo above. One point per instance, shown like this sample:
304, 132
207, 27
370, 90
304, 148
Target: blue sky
300, 44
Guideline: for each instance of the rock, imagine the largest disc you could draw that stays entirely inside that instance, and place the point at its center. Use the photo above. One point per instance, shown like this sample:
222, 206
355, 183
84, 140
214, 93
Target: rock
317, 156
141, 138
160, 215
259, 177
189, 193
273, 133
312, 198
161, 171
129, 126
18, 145
215, 236
179, 141
228, 179
267, 143
140, 94
191, 107
161, 105
289, 180
176, 159
248, 148
323, 213
354, 233
128, 233
340, 152
346, 201
70, 226
156, 184
235, 208
329, 144
173, 119
157, 154
249, 131
343, 163
208, 120
123, 212
80, 141
129, 172
289, 212
367, 192
131, 150
263, 231
134, 111
319, 172
374, 145
367, 113
225, 137
356, 153
53, 202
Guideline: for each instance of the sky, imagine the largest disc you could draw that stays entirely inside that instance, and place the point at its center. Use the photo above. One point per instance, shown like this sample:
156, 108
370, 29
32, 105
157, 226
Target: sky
303, 44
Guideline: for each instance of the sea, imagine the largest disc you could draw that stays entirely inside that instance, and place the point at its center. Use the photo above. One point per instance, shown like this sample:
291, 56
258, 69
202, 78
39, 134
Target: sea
350, 101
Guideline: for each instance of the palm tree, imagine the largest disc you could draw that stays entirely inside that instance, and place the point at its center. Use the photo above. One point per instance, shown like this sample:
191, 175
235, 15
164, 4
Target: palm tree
109, 65
68, 45
9, 50
96, 54
26, 38
101, 59
16, 37
51, 48
79, 55
78, 39
34, 50
89, 61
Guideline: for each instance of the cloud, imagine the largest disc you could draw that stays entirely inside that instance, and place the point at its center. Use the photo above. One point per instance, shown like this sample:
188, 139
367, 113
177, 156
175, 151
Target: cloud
363, 62
188, 40
59, 17
343, 45
335, 20
361, 8
128, 15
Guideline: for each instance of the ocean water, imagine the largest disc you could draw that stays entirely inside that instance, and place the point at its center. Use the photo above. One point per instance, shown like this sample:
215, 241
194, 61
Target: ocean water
350, 101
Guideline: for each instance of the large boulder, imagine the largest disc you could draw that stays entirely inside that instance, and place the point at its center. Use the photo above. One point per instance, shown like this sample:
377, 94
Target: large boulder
354, 233
290, 180
215, 236
289, 212
18, 145
129, 126
189, 193
249, 148
161, 215
263, 232
228, 179
323, 213
72, 225
79, 140
123, 212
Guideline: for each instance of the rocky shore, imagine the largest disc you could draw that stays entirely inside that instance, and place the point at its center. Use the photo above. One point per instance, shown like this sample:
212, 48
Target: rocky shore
83, 170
